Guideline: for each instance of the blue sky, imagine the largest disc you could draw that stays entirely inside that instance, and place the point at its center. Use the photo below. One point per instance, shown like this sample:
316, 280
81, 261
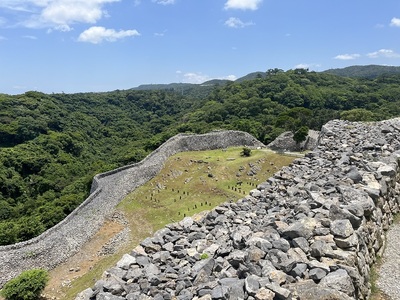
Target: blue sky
103, 45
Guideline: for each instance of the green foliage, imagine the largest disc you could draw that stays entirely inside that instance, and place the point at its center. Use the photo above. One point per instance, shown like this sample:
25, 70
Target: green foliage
27, 286
358, 114
301, 134
204, 256
246, 152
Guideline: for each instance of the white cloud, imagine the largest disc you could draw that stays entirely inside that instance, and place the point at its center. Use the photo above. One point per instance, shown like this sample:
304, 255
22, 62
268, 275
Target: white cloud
30, 37
195, 77
395, 22
386, 53
97, 34
230, 77
307, 66
164, 2
302, 66
2, 38
237, 23
198, 78
243, 4
347, 56
58, 14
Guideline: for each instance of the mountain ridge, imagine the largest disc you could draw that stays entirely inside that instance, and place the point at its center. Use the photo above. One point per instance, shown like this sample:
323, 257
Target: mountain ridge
355, 71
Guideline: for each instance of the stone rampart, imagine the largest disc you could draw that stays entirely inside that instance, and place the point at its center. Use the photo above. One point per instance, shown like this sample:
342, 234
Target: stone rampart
66, 238
312, 231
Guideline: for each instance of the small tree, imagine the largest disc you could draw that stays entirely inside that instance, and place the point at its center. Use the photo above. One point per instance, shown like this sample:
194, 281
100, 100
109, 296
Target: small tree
246, 152
301, 134
27, 286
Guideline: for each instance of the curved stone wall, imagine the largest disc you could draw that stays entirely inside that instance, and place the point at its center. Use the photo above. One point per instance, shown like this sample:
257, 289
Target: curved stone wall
66, 238
312, 231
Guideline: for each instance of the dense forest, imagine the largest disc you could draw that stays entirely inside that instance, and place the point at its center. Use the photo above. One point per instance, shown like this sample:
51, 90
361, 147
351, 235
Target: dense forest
51, 145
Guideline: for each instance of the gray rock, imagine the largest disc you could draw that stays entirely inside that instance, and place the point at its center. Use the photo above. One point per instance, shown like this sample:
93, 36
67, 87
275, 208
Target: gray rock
237, 257
252, 285
281, 293
185, 294
108, 296
317, 274
264, 294
386, 170
126, 261
340, 281
348, 242
303, 228
255, 254
233, 287
354, 175
301, 243
299, 270
218, 293
337, 213
281, 244
320, 248
309, 290
342, 228
85, 295
205, 264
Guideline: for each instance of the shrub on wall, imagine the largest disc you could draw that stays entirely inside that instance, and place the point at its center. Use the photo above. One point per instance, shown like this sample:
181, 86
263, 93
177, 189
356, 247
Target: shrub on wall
27, 286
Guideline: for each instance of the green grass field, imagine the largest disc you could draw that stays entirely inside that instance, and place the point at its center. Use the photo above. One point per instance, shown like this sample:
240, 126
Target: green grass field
192, 182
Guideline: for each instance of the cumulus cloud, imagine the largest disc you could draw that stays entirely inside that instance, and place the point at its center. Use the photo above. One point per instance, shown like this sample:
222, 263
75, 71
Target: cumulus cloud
237, 23
243, 4
98, 34
347, 56
395, 22
58, 14
386, 53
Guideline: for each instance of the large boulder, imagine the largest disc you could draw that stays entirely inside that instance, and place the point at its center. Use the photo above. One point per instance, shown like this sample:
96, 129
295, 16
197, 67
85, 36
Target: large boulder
286, 143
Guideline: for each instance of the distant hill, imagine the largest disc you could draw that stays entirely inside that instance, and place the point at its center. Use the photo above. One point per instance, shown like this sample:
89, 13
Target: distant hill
215, 82
251, 76
369, 71
169, 86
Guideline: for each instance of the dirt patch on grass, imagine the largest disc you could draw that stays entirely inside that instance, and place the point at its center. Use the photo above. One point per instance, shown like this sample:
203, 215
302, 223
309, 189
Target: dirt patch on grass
62, 277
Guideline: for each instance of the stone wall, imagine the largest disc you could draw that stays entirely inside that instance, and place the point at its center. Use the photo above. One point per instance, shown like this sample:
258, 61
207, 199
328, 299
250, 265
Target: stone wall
312, 231
66, 238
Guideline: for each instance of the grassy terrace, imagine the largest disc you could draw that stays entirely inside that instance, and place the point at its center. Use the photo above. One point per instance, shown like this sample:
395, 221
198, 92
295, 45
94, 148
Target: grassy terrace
190, 183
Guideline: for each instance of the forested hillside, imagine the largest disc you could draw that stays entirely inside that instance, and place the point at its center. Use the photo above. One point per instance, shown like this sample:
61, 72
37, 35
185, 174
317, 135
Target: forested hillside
52, 145
369, 71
